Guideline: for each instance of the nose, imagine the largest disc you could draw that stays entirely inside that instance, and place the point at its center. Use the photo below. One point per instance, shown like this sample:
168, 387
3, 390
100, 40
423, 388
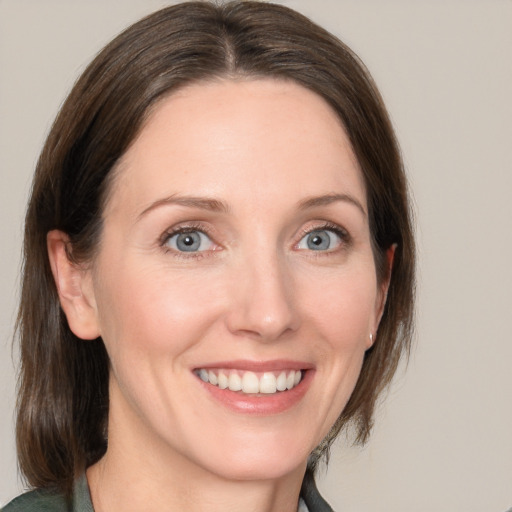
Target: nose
263, 305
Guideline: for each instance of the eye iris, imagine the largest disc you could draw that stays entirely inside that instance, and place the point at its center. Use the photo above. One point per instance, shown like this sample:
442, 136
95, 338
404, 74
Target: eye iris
188, 242
319, 240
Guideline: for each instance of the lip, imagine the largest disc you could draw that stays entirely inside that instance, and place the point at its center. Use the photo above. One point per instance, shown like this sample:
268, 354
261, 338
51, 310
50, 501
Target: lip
259, 366
259, 404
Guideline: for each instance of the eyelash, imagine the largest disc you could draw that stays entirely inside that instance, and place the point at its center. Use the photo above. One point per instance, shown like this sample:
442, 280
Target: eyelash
327, 226
189, 228
198, 227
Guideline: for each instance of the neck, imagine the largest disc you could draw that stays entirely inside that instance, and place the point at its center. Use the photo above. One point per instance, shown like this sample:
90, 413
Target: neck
117, 486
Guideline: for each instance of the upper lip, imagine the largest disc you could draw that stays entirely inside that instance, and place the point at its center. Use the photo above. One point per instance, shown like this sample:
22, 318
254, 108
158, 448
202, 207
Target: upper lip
258, 366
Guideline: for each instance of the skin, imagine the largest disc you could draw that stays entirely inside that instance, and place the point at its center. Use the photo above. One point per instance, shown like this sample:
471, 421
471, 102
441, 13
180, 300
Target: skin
254, 292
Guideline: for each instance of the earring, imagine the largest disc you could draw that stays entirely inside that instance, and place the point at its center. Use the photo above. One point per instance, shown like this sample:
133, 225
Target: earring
371, 338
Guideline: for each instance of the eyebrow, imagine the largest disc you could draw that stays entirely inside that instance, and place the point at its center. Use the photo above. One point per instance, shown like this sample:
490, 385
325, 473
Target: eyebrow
328, 199
216, 206
202, 203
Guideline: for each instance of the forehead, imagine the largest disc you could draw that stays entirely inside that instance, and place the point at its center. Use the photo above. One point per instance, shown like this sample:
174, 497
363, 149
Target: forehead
230, 137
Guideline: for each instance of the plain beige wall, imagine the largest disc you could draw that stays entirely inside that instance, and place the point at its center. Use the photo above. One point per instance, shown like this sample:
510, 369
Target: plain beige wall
443, 439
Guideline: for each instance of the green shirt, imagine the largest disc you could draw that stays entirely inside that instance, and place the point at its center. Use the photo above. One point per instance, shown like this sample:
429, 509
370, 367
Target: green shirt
41, 500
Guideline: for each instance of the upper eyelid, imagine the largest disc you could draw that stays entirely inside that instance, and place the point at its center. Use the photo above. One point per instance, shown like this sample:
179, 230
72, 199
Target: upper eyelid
185, 228
327, 226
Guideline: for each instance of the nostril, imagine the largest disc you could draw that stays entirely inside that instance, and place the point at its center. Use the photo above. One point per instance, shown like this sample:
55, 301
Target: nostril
263, 303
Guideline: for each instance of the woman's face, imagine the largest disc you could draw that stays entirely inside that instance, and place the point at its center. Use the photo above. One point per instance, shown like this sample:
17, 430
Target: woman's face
235, 253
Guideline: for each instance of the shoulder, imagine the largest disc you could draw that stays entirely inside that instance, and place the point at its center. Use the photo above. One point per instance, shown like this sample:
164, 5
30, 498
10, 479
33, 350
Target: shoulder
38, 500
45, 500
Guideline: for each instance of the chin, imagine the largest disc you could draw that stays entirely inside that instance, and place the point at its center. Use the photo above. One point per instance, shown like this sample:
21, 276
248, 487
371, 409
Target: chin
269, 469
259, 461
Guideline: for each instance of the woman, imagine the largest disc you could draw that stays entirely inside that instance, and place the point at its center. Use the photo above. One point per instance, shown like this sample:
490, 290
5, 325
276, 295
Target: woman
219, 268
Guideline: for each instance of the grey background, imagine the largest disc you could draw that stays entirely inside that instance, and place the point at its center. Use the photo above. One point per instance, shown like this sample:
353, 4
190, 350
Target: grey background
443, 439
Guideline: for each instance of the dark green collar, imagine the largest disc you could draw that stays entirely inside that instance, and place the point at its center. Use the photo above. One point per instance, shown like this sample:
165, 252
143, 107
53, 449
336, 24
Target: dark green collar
43, 500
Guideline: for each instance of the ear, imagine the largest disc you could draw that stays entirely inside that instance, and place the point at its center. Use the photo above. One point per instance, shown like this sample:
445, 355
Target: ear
74, 286
382, 294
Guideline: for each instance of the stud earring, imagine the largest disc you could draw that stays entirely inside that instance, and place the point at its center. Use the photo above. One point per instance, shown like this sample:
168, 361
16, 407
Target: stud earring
371, 338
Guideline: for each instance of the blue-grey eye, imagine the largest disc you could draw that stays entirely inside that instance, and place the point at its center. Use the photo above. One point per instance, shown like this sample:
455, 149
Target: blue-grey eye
319, 240
191, 241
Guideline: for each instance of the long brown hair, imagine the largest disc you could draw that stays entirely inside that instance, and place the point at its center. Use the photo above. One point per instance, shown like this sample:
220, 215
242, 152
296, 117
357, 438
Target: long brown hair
63, 381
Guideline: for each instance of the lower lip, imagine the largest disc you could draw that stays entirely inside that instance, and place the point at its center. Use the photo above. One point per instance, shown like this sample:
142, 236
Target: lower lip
261, 404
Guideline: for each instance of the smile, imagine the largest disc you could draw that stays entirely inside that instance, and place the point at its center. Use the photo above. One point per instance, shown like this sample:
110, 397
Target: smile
249, 382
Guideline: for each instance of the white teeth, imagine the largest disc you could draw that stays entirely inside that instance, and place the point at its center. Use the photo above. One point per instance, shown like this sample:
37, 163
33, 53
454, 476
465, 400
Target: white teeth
281, 382
212, 378
268, 383
223, 381
235, 382
290, 380
249, 382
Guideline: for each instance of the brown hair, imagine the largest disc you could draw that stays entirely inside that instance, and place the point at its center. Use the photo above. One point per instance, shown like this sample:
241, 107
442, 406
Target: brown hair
63, 382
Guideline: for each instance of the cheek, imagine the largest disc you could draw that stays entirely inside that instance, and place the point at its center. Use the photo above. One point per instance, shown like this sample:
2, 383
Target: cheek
339, 310
150, 321
343, 306
148, 311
